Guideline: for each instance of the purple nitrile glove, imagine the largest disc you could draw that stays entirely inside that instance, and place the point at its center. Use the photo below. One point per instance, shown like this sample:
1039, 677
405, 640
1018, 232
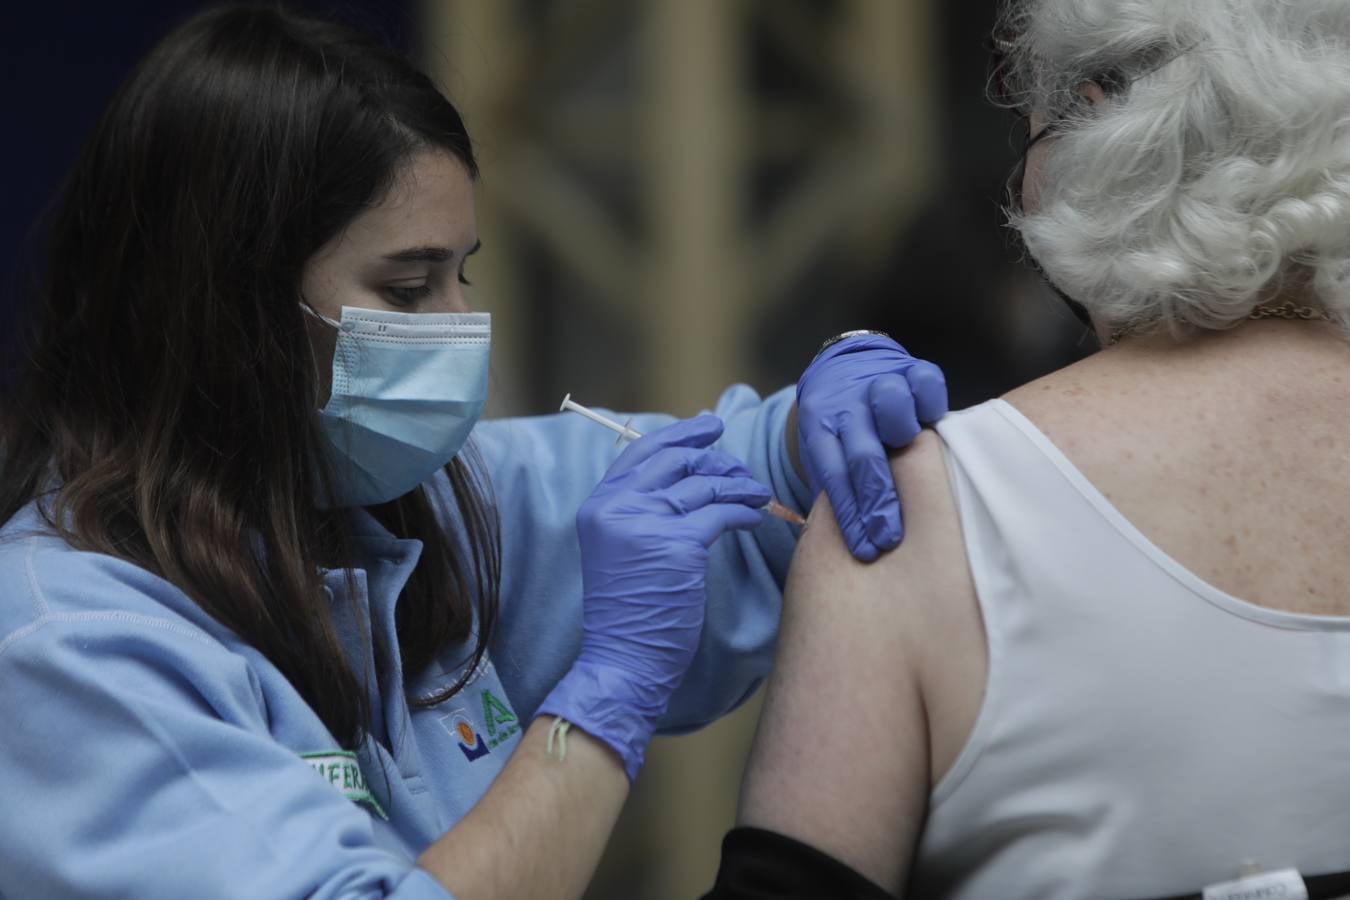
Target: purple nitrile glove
645, 533
860, 396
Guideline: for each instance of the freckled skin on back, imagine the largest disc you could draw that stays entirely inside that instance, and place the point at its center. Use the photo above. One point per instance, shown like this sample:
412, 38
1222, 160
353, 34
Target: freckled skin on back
1222, 451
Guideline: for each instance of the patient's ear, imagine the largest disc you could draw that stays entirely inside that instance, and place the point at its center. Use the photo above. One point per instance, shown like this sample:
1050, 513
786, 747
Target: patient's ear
1092, 92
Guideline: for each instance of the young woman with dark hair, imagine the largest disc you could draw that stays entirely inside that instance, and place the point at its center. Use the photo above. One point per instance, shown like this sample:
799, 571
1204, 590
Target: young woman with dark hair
246, 539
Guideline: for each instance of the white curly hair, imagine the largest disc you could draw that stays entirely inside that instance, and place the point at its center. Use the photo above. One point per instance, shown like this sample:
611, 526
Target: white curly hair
1217, 169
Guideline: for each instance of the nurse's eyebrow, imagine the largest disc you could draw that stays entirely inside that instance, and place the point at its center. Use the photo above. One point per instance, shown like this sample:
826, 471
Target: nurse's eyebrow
428, 254
421, 254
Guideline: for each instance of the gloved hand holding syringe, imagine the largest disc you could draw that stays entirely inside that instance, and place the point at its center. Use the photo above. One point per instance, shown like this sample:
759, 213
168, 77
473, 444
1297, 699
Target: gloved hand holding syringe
625, 433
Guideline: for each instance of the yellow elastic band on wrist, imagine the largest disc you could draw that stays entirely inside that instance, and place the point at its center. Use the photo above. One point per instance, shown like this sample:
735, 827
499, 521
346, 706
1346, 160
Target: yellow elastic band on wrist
559, 730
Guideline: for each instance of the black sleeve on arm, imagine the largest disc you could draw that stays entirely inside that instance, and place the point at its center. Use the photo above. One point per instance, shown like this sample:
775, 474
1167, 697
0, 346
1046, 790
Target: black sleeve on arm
765, 865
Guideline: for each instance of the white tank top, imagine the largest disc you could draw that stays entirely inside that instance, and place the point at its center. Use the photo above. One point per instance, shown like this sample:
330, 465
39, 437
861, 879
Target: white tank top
1142, 733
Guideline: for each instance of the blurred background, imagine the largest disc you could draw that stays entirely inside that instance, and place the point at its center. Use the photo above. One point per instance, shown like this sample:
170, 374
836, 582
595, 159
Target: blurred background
677, 195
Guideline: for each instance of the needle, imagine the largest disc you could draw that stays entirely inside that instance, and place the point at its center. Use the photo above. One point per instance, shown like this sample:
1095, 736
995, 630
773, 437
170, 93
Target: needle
625, 433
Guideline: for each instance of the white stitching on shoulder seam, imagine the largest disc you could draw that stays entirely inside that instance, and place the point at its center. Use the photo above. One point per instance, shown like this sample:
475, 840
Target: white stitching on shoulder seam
112, 616
33, 589
16, 636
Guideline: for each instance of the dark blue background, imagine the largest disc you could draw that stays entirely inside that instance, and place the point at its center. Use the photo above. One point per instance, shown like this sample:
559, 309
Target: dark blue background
62, 61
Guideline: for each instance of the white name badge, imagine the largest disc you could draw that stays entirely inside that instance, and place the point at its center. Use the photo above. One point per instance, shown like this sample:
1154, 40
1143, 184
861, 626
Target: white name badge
1285, 884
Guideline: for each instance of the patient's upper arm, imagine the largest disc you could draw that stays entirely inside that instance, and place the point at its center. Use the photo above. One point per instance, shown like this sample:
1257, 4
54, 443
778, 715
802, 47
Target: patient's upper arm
870, 656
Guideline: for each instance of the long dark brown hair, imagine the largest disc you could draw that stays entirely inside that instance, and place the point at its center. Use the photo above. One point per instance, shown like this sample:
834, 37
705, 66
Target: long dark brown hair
165, 409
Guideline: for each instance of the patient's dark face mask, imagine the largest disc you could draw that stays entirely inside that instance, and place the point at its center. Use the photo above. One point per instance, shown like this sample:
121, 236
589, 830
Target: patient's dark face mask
1080, 312
1005, 94
1016, 186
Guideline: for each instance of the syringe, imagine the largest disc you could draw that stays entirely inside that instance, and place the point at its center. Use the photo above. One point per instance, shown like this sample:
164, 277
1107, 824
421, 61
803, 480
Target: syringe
627, 434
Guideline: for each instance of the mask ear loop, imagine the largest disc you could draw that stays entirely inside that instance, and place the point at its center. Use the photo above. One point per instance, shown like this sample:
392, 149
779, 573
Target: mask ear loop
304, 305
313, 356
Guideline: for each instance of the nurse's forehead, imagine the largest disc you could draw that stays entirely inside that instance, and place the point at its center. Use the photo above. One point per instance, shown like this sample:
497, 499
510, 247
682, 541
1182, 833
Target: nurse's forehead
430, 203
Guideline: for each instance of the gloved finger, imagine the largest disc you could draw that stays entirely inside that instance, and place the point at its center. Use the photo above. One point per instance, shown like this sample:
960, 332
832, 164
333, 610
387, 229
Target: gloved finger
671, 465
869, 475
893, 414
929, 387
827, 463
716, 519
700, 431
699, 491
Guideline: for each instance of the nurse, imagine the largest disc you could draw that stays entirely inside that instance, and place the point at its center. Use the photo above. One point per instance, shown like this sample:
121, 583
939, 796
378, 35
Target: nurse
278, 617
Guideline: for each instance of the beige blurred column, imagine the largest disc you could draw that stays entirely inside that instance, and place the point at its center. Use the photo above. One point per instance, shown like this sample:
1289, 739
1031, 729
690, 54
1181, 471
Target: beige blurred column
710, 277
472, 50
694, 143
886, 58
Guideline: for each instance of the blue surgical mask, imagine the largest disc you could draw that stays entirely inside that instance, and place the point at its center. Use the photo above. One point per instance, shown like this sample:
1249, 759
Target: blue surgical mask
407, 390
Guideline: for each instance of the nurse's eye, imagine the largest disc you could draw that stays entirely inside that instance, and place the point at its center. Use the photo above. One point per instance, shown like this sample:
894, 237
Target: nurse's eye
408, 296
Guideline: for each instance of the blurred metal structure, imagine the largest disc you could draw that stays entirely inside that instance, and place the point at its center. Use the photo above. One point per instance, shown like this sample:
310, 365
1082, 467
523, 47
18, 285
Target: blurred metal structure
658, 175
621, 142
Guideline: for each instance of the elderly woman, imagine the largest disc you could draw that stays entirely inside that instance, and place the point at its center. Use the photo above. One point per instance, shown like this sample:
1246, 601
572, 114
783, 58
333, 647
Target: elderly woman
1115, 656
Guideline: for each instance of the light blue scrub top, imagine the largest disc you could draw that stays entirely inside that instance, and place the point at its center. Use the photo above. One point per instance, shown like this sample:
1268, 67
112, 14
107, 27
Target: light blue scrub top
145, 751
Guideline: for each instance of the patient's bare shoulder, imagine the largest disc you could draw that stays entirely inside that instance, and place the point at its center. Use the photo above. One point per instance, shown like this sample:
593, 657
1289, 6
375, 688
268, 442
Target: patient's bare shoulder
1085, 408
919, 595
883, 647
929, 576
928, 512
907, 592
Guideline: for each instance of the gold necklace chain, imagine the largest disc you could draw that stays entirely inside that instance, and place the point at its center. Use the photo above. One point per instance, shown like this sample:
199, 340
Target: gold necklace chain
1286, 310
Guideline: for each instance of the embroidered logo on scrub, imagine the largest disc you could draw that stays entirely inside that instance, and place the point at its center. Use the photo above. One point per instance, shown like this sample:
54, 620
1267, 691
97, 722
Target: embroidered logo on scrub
340, 769
471, 743
499, 722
